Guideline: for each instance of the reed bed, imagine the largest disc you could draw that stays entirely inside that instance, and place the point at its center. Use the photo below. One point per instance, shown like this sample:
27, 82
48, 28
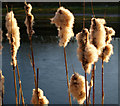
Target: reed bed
92, 45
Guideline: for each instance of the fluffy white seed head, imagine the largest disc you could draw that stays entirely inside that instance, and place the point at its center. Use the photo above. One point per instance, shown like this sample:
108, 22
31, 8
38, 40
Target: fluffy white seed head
63, 18
82, 38
41, 98
97, 33
86, 52
65, 35
109, 33
29, 21
77, 88
107, 52
13, 31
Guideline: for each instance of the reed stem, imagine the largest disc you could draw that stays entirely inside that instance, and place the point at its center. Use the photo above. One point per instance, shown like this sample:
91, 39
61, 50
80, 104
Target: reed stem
33, 64
13, 65
90, 87
15, 85
93, 84
102, 82
2, 96
20, 86
70, 103
86, 86
92, 9
84, 15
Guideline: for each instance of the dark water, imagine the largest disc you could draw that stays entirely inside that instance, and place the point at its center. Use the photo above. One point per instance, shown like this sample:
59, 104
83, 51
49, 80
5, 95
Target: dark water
49, 58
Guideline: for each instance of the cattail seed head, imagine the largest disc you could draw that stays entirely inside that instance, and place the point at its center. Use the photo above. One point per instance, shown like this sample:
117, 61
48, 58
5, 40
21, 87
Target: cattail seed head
40, 97
97, 32
13, 32
77, 87
109, 33
107, 52
29, 21
86, 52
63, 18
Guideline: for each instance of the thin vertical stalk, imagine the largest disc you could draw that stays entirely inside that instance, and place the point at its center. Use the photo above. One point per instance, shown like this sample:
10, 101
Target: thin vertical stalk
59, 3
92, 8
70, 103
84, 15
2, 95
102, 82
33, 63
13, 66
86, 87
93, 84
90, 87
15, 85
20, 85
37, 76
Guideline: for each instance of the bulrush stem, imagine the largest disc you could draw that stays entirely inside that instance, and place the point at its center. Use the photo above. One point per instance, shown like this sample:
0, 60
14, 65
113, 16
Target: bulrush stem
93, 84
86, 86
102, 83
2, 95
15, 85
33, 63
12, 50
90, 87
20, 86
67, 78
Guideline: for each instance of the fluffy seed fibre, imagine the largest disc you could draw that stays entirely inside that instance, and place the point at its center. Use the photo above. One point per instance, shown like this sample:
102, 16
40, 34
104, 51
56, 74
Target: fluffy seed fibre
64, 20
41, 98
77, 87
109, 33
13, 29
29, 21
86, 52
97, 33
107, 52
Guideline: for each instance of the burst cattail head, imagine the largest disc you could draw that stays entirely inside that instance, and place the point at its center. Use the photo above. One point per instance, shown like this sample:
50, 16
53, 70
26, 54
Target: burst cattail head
40, 97
28, 8
109, 33
77, 87
13, 34
90, 57
107, 52
29, 21
86, 52
82, 38
63, 18
97, 32
65, 35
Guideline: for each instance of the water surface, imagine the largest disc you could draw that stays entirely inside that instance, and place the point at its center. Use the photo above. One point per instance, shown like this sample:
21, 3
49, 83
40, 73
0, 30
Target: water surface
49, 58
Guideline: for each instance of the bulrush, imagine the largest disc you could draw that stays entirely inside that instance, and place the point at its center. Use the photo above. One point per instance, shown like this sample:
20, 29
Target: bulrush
86, 52
64, 20
40, 97
13, 32
97, 33
77, 87
29, 21
109, 33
